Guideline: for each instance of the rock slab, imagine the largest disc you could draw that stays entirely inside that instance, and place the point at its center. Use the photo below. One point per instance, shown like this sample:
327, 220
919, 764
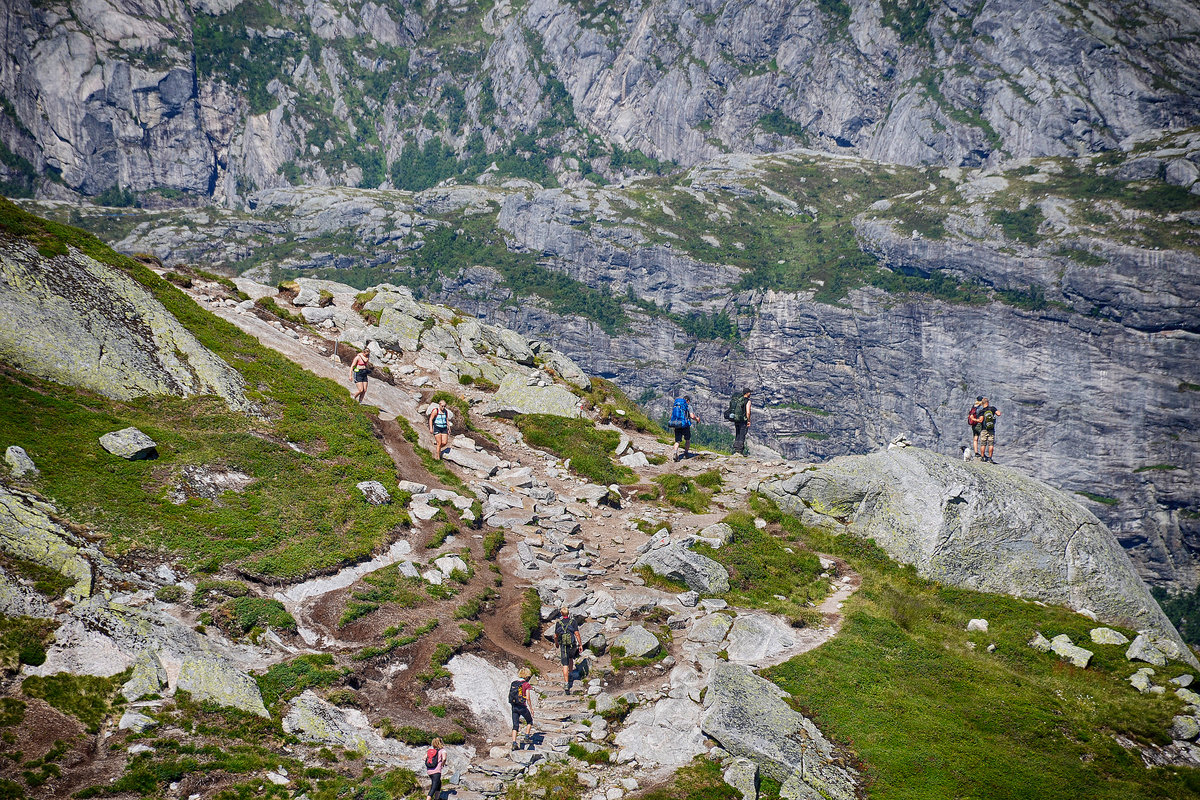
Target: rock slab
677, 562
210, 677
129, 443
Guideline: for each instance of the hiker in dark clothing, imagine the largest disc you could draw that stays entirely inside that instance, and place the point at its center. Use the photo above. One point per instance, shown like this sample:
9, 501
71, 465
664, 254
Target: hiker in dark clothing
987, 436
518, 699
681, 421
360, 370
975, 424
566, 636
739, 415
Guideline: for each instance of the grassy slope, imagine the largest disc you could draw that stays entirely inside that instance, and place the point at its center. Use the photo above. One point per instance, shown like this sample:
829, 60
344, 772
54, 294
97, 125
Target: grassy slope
301, 515
931, 717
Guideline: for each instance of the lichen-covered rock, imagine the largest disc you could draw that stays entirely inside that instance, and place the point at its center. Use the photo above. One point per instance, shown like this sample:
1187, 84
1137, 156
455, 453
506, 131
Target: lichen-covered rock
981, 527
1108, 636
1065, 649
665, 732
133, 721
1040, 643
1140, 680
208, 676
565, 368
79, 322
1142, 649
716, 535
19, 463
27, 531
519, 394
148, 677
757, 639
637, 642
1184, 728
748, 716
19, 600
129, 443
374, 492
677, 562
399, 330
742, 776
710, 629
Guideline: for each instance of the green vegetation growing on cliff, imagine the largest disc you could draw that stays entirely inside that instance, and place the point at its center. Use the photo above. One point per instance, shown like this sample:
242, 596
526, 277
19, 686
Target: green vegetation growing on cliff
1183, 609
300, 514
933, 714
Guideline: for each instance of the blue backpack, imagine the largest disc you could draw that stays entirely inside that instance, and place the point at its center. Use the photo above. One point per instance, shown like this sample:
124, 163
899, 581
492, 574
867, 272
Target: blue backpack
679, 414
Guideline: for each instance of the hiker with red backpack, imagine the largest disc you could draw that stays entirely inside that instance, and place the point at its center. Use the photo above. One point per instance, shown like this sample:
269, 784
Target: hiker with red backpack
519, 701
435, 762
987, 435
681, 421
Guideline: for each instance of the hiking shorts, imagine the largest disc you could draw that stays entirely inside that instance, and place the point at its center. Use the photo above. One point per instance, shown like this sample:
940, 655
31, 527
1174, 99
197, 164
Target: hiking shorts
519, 713
683, 434
360, 375
977, 428
441, 430
566, 656
986, 438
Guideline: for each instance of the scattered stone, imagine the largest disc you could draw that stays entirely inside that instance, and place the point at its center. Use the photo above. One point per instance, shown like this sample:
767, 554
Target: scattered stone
1143, 650
710, 629
688, 599
742, 775
412, 487
1040, 643
433, 576
210, 677
1140, 680
1182, 681
275, 777
1188, 696
629, 784
147, 677
1078, 656
721, 533
374, 492
635, 460
1184, 728
133, 721
408, 569
481, 461
675, 561
977, 625
449, 563
422, 511
140, 748
19, 462
637, 642
129, 443
1108, 636
525, 555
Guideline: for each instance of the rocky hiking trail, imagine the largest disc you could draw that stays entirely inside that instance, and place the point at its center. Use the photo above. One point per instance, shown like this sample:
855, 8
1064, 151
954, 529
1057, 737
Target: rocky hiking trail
568, 542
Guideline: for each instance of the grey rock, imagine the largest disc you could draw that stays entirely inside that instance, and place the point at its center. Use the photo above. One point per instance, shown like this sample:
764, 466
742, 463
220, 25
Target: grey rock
710, 629
688, 599
1183, 681
374, 492
742, 775
1140, 680
525, 554
665, 732
1140, 169
511, 518
677, 562
1143, 650
720, 532
211, 677
316, 720
521, 395
477, 460
1063, 647
637, 642
1040, 643
29, 531
749, 717
1184, 728
1181, 172
19, 462
981, 527
759, 639
148, 677
449, 563
635, 460
133, 721
408, 569
977, 625
1108, 636
412, 487
129, 443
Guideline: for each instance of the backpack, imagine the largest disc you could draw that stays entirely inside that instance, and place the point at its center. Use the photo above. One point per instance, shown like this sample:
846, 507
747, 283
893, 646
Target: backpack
989, 418
514, 693
566, 641
737, 408
431, 758
679, 414
972, 420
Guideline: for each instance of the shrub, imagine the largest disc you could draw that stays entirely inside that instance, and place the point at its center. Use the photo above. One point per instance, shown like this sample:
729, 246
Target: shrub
531, 615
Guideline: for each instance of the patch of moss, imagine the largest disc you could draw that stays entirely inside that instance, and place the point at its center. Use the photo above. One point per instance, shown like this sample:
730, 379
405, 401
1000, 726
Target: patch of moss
287, 679
86, 697
590, 450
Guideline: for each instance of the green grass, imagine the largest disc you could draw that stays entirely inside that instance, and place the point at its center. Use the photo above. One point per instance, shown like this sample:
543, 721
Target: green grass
931, 717
302, 513
608, 399
1099, 498
23, 640
692, 494
761, 567
589, 449
554, 782
85, 697
531, 615
393, 640
285, 680
1157, 468
45, 581
700, 780
240, 616
383, 587
578, 751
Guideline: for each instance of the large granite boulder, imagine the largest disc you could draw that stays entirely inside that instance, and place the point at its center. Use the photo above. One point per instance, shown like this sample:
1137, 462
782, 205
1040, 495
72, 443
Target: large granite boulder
19, 462
666, 732
208, 676
637, 642
519, 394
399, 330
677, 562
750, 718
79, 322
29, 531
130, 444
983, 527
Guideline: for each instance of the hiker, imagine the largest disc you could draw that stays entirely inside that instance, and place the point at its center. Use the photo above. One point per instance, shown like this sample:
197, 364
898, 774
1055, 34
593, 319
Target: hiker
360, 368
987, 436
435, 762
739, 414
681, 420
518, 699
975, 424
439, 426
566, 636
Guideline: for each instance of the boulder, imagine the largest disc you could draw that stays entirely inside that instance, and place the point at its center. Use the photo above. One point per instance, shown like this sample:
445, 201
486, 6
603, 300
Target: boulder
148, 677
316, 720
519, 394
408, 570
19, 462
433, 576
1140, 680
525, 555
1108, 636
601, 605
637, 642
757, 639
479, 461
710, 629
750, 718
1184, 728
677, 562
507, 344
977, 626
133, 721
483, 687
635, 460
566, 369
1067, 651
412, 487
688, 599
1143, 650
511, 518
210, 677
448, 564
374, 492
742, 776
28, 530
1182, 681
399, 330
1040, 643
666, 732
717, 535
980, 527
129, 443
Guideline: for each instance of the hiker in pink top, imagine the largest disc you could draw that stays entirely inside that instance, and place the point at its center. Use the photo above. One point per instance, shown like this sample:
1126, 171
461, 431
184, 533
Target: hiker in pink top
435, 761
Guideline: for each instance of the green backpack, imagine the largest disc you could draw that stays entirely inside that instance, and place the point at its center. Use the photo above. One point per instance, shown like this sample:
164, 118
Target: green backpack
737, 408
989, 419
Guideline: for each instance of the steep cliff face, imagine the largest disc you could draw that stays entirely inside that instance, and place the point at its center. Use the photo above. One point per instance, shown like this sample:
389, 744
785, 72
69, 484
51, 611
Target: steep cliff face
219, 98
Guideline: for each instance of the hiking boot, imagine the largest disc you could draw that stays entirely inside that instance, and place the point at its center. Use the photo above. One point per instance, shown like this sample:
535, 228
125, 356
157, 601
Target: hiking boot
515, 746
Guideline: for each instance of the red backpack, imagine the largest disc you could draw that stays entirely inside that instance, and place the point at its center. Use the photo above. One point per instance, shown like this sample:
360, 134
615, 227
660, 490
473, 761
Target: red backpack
431, 758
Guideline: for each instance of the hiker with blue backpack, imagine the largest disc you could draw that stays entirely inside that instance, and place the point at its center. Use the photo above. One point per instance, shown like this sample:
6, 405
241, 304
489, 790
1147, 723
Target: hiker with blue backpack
681, 421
